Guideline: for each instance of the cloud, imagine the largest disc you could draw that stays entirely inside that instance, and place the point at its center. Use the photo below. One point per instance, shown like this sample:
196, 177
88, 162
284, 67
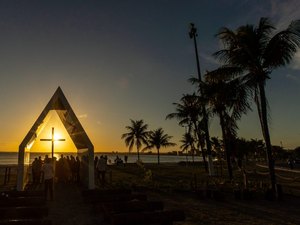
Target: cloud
296, 61
284, 12
83, 116
292, 77
210, 59
281, 12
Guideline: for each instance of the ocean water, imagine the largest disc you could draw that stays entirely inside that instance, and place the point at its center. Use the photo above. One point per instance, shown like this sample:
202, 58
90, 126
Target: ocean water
11, 158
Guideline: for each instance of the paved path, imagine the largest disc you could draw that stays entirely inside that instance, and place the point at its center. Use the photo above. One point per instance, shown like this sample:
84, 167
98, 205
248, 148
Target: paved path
281, 168
68, 207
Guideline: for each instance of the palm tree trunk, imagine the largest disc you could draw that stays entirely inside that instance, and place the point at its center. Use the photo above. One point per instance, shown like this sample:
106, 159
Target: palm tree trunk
211, 171
265, 130
158, 156
193, 153
138, 153
200, 145
226, 145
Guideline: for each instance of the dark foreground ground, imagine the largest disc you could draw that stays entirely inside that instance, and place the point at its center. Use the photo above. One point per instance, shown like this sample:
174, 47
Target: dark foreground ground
69, 208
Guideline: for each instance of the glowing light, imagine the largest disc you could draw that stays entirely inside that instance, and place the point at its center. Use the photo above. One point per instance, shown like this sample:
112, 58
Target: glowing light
29, 145
57, 135
60, 133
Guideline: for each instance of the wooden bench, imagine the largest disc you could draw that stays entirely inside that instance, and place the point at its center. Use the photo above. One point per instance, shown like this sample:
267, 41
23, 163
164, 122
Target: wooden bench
26, 222
23, 208
140, 218
30, 212
22, 201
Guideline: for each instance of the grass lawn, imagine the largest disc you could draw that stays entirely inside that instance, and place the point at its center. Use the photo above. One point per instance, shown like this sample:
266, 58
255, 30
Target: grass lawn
181, 187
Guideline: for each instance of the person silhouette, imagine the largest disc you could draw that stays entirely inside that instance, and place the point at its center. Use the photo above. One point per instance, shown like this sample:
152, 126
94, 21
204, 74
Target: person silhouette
48, 172
34, 168
101, 168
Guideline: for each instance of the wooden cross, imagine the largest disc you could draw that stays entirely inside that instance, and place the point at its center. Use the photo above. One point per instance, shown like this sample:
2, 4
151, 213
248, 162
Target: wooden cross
52, 141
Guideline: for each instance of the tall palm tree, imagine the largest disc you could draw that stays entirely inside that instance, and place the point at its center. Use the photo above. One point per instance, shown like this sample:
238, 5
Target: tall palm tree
157, 139
227, 98
189, 113
258, 50
137, 135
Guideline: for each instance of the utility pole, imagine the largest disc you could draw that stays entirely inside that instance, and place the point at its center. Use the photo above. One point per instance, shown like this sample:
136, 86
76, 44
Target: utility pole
193, 34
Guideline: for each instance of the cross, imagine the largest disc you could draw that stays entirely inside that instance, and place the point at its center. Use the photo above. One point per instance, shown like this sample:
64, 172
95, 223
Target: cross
52, 141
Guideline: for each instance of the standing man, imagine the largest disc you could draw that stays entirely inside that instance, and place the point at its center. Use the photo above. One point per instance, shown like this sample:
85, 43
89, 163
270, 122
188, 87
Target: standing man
48, 171
101, 168
34, 168
39, 168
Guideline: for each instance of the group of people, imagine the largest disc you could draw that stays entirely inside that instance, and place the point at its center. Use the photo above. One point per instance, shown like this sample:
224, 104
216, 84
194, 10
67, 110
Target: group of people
43, 170
100, 167
66, 169
37, 170
291, 162
119, 161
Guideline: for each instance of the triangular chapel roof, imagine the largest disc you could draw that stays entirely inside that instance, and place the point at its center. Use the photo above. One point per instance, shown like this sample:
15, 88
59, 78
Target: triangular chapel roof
67, 116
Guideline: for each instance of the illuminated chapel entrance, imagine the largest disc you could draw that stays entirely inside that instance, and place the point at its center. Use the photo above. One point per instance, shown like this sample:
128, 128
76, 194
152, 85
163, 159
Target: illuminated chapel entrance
57, 122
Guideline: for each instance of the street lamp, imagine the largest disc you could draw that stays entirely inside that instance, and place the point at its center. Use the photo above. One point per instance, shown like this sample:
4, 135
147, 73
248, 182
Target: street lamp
193, 34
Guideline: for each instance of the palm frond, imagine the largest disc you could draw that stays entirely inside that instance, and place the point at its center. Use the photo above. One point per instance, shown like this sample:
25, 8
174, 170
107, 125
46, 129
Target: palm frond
224, 73
282, 47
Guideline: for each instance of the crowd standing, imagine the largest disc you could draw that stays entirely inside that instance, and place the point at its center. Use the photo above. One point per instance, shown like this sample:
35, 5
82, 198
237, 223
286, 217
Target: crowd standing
65, 170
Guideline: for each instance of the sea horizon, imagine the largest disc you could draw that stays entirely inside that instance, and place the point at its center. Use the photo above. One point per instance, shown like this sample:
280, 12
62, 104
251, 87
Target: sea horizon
11, 158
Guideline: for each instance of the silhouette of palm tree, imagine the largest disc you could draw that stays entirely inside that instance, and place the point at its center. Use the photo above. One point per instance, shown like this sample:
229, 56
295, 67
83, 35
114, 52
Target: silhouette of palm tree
188, 142
228, 99
189, 113
137, 135
257, 50
157, 139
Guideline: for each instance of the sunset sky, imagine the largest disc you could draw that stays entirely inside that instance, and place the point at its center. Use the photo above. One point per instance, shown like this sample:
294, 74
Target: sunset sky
122, 60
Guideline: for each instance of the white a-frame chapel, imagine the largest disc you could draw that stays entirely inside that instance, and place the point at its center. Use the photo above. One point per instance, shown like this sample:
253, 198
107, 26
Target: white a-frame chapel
84, 146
